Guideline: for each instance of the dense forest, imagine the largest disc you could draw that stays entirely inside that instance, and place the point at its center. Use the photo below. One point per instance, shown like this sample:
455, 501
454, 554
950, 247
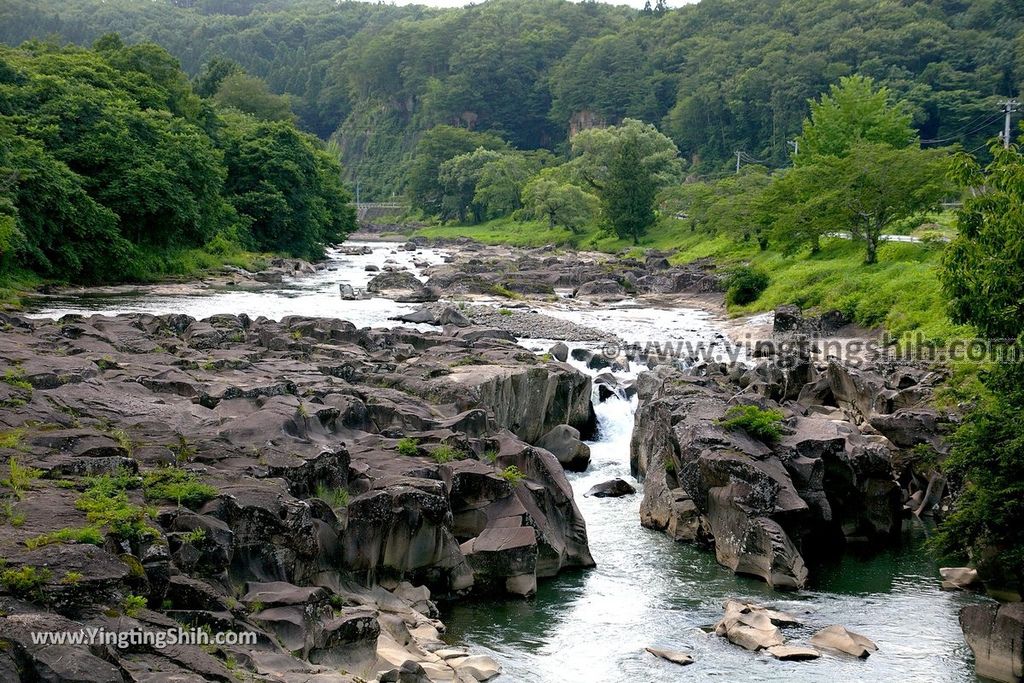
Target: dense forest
717, 77
112, 168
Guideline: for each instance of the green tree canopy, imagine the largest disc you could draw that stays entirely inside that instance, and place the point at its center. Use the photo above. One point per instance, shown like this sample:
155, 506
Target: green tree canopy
853, 112
626, 166
867, 191
287, 189
560, 203
984, 266
983, 274
250, 95
109, 163
437, 146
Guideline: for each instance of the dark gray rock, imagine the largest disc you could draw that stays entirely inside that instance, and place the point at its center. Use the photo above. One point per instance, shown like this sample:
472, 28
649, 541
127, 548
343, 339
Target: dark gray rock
563, 441
616, 488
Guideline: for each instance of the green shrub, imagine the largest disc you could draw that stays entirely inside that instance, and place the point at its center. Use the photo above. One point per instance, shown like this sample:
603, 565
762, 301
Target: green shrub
765, 425
178, 485
194, 536
986, 469
15, 376
470, 359
445, 453
512, 475
25, 581
89, 534
132, 604
502, 291
71, 578
20, 478
335, 497
107, 506
744, 285
12, 438
504, 311
408, 446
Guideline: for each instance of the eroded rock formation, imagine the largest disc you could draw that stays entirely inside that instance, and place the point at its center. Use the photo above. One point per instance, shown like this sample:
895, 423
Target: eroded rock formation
832, 476
329, 481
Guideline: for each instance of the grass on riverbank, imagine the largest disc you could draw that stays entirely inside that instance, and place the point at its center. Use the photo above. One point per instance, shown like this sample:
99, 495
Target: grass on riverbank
505, 231
901, 292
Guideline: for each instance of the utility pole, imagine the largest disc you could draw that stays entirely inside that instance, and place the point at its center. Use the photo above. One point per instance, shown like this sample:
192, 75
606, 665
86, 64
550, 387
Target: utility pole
357, 193
738, 155
795, 144
1010, 107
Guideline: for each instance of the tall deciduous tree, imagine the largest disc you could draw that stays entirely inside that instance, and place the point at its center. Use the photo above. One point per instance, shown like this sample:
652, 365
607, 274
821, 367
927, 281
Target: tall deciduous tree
853, 112
250, 94
863, 193
559, 202
287, 189
626, 165
438, 145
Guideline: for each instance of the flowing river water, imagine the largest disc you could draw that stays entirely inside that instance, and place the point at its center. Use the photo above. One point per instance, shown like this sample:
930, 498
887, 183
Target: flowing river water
592, 626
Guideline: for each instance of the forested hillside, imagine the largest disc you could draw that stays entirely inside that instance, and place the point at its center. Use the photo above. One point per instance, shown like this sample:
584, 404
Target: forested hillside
113, 169
716, 77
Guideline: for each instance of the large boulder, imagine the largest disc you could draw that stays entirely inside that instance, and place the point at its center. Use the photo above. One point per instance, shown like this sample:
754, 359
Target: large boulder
749, 626
504, 559
995, 634
759, 503
615, 488
600, 289
564, 443
840, 639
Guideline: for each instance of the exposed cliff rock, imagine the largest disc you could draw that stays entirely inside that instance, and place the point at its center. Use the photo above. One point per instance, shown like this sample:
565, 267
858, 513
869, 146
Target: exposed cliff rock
833, 476
306, 481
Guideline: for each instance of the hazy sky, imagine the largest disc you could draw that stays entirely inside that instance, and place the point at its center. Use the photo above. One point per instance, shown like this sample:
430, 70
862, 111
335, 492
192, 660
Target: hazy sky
460, 3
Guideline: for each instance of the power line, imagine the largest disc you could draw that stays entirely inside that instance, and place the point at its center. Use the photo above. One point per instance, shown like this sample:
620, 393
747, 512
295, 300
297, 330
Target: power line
957, 135
978, 148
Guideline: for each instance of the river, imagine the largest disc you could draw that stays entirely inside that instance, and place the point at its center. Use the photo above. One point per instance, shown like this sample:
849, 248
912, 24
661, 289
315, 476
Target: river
592, 626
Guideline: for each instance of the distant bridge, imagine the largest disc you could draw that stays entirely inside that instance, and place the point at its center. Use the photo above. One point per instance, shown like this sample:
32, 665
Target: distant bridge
367, 211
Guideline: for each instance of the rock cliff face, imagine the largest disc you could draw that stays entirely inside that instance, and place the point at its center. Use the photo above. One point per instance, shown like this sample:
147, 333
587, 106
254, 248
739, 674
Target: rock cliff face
305, 480
832, 477
995, 634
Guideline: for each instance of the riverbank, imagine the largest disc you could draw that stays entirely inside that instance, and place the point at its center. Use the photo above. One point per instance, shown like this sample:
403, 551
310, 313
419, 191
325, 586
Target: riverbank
181, 269
901, 293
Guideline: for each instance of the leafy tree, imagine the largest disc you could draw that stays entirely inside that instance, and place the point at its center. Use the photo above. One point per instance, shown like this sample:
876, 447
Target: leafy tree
59, 231
626, 165
109, 168
459, 176
983, 266
287, 189
250, 94
437, 146
739, 207
987, 522
798, 215
865, 192
853, 112
500, 183
983, 275
561, 203
208, 82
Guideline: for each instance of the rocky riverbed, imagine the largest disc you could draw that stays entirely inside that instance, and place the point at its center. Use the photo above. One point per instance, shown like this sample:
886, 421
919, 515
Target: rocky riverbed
328, 486
251, 474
